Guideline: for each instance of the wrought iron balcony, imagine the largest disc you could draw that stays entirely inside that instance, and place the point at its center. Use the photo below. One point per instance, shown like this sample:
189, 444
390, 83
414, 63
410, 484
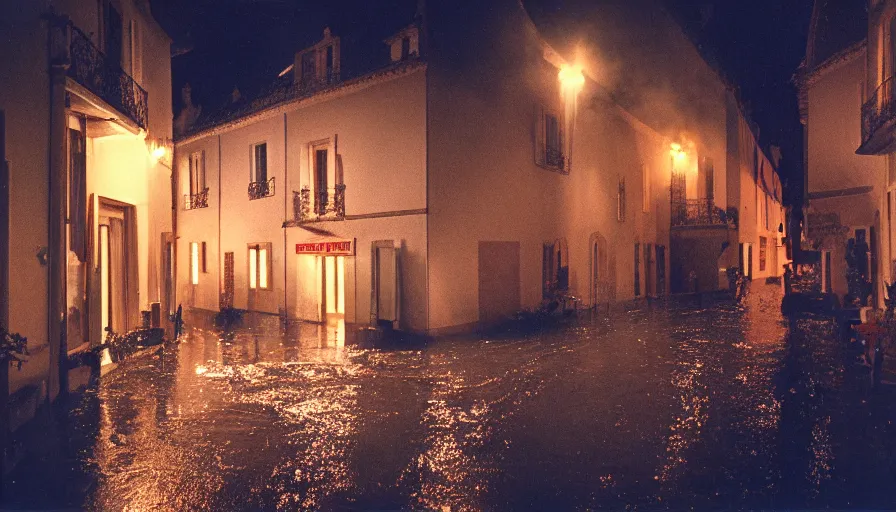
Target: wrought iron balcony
553, 157
699, 212
328, 204
314, 83
261, 189
104, 77
197, 200
878, 114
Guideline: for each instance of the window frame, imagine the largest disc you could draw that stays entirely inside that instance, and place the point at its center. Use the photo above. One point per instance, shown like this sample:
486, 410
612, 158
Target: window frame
197, 174
194, 263
253, 163
620, 200
256, 284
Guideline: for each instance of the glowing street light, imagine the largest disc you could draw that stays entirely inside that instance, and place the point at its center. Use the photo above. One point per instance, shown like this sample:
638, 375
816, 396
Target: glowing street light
678, 154
158, 153
571, 77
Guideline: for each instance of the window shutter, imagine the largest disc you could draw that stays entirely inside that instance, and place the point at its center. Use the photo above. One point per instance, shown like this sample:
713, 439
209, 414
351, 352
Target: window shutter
331, 160
540, 147
564, 157
202, 182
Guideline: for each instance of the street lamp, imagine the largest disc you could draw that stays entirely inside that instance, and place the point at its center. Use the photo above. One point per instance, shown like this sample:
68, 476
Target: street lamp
571, 82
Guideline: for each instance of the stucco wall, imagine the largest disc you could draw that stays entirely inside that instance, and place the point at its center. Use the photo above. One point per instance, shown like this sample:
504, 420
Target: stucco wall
378, 133
24, 85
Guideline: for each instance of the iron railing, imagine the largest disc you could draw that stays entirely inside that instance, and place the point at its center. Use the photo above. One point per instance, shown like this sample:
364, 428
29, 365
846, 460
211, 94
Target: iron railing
197, 200
698, 212
261, 189
879, 109
104, 77
553, 157
328, 204
317, 82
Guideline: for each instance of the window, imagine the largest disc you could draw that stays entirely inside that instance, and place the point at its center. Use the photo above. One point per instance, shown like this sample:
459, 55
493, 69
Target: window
259, 170
260, 266
620, 201
320, 179
553, 155
259, 184
405, 47
637, 270
549, 140
136, 52
763, 250
194, 262
766, 210
203, 260
708, 172
645, 175
197, 173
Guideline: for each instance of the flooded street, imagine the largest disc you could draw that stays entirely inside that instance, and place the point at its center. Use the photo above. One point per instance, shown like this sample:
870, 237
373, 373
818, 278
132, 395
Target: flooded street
658, 407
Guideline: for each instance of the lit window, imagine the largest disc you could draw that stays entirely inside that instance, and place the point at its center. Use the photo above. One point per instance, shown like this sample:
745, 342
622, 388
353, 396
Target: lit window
194, 263
253, 268
259, 266
197, 173
262, 268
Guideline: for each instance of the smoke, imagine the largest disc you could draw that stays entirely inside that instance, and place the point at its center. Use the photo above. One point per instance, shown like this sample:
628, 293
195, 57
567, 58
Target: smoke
643, 58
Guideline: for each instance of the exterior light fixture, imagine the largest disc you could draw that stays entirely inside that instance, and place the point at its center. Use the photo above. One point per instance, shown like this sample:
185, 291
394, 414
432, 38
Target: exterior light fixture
571, 77
678, 154
158, 153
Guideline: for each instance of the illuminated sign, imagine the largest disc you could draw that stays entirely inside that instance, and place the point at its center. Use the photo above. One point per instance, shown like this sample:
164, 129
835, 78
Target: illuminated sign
332, 248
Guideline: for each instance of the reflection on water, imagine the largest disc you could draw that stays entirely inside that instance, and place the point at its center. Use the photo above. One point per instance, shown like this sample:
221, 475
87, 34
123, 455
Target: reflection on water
656, 407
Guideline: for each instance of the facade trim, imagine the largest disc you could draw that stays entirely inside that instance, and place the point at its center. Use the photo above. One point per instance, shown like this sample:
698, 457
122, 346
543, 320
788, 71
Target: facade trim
843, 192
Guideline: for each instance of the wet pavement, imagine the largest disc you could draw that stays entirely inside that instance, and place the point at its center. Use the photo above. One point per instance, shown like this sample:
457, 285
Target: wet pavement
657, 407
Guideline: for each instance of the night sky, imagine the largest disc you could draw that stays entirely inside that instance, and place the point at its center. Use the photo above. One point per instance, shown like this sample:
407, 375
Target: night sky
757, 44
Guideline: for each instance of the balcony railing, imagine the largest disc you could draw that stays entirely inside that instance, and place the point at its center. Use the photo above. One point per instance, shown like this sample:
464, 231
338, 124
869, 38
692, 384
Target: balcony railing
876, 112
104, 77
197, 200
314, 83
327, 204
553, 157
699, 212
261, 189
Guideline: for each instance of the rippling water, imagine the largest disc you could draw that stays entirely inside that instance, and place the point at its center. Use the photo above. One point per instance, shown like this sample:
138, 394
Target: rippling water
657, 407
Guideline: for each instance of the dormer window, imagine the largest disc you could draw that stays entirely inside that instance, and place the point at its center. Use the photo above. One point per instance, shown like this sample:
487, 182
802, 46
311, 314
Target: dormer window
318, 66
405, 44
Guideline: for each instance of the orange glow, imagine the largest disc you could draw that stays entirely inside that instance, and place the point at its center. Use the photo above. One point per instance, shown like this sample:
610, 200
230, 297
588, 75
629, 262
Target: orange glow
571, 77
676, 151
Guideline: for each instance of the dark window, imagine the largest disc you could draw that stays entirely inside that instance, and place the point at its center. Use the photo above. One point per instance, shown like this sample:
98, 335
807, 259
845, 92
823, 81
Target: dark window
547, 270
763, 250
620, 201
405, 47
203, 261
78, 194
553, 154
260, 170
637, 270
320, 180
309, 70
113, 38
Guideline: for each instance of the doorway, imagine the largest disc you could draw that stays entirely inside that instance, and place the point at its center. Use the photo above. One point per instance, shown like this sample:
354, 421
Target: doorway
118, 267
595, 273
384, 300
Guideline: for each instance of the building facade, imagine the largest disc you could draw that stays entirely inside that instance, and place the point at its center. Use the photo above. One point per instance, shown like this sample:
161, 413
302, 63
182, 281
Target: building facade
484, 168
847, 153
86, 100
